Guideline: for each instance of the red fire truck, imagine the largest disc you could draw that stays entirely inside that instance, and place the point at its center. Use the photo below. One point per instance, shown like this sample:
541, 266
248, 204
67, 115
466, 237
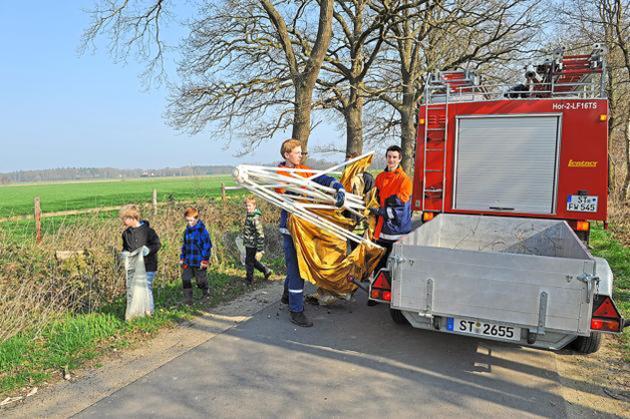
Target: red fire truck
509, 178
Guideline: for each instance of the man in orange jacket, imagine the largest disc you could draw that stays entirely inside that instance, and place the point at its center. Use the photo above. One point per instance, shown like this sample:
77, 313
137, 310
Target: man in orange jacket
394, 195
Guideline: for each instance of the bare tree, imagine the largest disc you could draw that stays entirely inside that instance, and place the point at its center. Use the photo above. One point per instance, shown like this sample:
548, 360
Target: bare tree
443, 35
132, 27
360, 28
269, 29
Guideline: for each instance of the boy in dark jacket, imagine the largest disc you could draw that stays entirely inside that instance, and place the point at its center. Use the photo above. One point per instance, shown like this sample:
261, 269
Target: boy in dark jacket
139, 234
195, 255
254, 241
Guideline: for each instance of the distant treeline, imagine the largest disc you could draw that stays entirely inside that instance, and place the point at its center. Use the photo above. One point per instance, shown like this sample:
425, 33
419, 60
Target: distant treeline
91, 173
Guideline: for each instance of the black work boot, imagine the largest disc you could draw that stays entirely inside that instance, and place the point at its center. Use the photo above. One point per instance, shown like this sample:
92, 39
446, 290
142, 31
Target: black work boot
268, 274
188, 296
205, 293
300, 319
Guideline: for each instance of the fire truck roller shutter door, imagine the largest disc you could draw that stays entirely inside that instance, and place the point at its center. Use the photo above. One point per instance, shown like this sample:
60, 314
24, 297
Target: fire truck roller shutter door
507, 163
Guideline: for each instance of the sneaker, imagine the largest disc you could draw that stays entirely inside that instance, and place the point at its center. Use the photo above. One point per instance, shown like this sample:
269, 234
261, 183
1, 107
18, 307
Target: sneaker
268, 274
300, 319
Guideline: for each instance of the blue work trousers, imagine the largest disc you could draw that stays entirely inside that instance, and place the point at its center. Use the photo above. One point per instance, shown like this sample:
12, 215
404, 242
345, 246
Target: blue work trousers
293, 283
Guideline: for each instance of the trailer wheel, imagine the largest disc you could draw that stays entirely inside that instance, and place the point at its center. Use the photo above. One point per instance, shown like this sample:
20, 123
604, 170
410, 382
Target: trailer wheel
398, 317
587, 344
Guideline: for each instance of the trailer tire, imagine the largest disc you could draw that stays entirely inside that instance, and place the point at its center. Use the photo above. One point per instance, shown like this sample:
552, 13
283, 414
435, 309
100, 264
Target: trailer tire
587, 344
398, 317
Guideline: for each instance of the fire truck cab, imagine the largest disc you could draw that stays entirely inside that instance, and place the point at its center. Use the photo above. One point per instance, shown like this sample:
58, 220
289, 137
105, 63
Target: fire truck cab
507, 181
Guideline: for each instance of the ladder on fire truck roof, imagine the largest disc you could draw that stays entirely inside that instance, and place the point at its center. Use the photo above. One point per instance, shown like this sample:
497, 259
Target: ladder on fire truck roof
438, 89
573, 73
577, 76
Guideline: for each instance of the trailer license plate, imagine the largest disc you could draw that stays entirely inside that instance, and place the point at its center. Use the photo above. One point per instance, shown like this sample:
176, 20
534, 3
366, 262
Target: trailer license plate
475, 327
582, 203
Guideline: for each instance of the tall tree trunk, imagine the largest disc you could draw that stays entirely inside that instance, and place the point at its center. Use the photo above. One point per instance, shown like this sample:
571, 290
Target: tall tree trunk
303, 81
625, 190
302, 114
408, 130
353, 115
612, 106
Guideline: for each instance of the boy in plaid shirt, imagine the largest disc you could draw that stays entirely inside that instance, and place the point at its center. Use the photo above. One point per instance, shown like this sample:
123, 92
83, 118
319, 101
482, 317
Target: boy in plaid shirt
195, 256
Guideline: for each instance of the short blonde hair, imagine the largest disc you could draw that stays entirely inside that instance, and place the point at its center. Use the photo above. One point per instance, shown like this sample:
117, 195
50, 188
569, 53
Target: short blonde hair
289, 145
129, 211
191, 212
250, 199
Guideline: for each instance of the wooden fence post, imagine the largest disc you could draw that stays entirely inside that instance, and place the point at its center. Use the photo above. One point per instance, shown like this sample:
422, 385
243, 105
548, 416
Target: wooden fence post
223, 192
38, 219
155, 206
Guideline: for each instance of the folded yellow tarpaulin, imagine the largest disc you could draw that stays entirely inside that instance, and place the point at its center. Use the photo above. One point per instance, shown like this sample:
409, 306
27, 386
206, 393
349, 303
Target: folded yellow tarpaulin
322, 257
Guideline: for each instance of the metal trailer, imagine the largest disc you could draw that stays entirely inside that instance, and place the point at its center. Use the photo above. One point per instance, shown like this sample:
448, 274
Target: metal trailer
521, 280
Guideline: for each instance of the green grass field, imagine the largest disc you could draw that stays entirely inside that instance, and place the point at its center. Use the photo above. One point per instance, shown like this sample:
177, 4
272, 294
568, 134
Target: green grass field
16, 200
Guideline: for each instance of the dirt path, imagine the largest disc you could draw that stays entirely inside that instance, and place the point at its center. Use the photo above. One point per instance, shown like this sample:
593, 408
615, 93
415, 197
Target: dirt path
66, 398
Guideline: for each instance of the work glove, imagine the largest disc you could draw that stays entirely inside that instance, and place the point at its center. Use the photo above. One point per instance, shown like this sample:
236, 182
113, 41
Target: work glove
340, 198
204, 264
259, 255
145, 251
375, 211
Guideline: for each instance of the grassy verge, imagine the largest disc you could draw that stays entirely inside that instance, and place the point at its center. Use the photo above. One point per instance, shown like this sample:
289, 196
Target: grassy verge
28, 359
618, 256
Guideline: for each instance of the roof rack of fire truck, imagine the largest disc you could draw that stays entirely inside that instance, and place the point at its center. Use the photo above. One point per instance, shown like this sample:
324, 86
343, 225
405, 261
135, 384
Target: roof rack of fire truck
563, 76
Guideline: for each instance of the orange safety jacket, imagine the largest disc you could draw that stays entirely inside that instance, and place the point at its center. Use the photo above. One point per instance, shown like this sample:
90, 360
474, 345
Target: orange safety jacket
394, 192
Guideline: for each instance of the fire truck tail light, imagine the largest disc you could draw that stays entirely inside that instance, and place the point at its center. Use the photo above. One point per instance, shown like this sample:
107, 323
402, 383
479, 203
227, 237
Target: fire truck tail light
603, 118
422, 121
427, 216
583, 226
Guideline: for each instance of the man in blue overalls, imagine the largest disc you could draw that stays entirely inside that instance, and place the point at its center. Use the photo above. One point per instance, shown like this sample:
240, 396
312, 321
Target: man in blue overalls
293, 295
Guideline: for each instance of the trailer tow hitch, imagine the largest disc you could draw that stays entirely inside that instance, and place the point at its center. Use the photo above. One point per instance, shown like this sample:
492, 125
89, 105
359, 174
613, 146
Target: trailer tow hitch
591, 281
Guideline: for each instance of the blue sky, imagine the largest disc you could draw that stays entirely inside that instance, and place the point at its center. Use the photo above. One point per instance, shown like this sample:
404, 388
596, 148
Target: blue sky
60, 109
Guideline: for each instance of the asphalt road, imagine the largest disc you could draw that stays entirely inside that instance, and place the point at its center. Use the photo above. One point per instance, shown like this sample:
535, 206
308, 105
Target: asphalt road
355, 362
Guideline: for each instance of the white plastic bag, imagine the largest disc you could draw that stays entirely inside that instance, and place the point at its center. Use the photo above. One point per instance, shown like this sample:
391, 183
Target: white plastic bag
138, 298
241, 248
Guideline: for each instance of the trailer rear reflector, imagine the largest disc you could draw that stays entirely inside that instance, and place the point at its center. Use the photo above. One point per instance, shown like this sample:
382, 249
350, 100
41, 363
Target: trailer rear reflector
606, 317
382, 281
381, 287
